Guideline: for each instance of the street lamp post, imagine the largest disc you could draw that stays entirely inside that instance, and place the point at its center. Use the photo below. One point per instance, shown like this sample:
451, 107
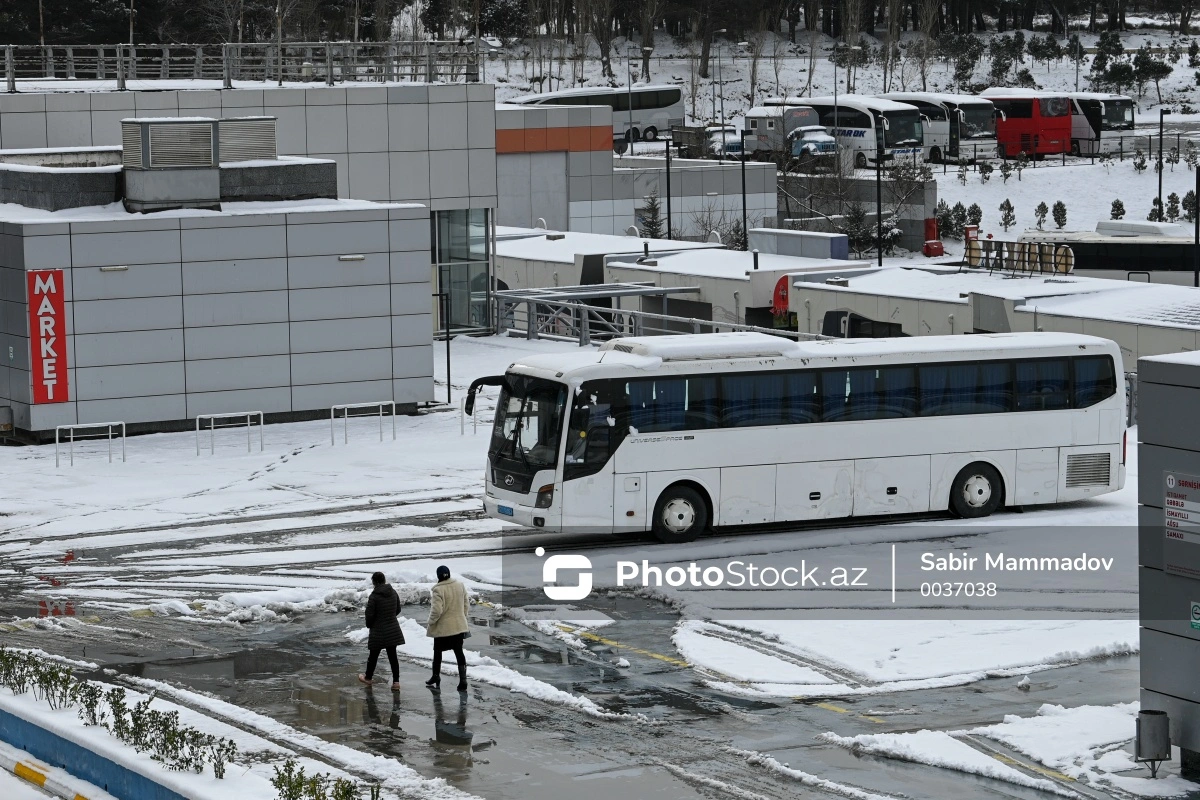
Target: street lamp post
745, 229
629, 91
671, 141
1162, 113
721, 80
879, 197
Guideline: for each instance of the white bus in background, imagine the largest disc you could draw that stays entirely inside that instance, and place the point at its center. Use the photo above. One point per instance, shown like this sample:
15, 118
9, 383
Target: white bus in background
860, 121
1098, 121
956, 125
674, 434
655, 107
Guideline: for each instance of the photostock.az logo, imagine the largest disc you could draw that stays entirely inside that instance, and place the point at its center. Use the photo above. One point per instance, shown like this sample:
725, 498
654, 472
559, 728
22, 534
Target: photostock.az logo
565, 562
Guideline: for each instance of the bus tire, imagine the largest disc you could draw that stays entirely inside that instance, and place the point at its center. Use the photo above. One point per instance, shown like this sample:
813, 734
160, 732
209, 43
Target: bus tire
935, 155
680, 515
650, 134
860, 161
977, 491
633, 135
1075, 148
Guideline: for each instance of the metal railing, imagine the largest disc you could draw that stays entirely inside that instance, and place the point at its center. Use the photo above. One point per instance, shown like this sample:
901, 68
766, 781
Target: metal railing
234, 415
578, 322
109, 428
346, 408
299, 62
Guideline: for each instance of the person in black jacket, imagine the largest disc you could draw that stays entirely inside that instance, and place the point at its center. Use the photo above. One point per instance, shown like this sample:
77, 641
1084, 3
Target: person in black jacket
382, 609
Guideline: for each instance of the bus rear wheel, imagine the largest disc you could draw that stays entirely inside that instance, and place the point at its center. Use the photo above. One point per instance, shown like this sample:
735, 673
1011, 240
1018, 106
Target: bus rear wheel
650, 134
633, 135
1075, 151
977, 491
680, 515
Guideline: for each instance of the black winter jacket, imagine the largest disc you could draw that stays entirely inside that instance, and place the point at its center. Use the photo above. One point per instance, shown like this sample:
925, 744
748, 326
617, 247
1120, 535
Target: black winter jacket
382, 609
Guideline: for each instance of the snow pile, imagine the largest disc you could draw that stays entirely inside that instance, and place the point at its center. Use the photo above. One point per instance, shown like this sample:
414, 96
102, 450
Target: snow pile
940, 749
783, 770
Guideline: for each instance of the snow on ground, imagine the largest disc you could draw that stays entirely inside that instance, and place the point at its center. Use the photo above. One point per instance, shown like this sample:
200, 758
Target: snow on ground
1085, 744
13, 788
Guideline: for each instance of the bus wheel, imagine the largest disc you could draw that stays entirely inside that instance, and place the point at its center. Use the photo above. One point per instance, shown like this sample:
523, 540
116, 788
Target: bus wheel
860, 161
935, 155
633, 135
650, 134
978, 490
1075, 147
679, 515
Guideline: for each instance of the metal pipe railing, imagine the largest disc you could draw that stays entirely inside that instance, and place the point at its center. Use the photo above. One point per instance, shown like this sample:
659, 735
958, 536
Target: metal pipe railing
299, 62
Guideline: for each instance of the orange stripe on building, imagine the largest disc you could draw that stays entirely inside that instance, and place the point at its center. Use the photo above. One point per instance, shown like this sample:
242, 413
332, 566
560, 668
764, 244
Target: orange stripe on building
577, 139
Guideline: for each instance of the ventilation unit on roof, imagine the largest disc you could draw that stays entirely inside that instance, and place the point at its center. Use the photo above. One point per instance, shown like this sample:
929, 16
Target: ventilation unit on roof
171, 163
247, 139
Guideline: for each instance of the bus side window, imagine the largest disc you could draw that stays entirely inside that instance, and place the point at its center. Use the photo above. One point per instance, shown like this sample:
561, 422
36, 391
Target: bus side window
1095, 380
1042, 385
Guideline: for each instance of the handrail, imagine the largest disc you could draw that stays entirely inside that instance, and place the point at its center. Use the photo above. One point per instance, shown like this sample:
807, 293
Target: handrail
109, 426
301, 62
212, 426
346, 408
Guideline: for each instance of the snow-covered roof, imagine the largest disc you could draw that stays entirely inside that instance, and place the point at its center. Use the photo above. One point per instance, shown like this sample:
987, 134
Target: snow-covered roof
737, 264
1098, 96
861, 102
1147, 304
545, 97
1001, 91
952, 286
618, 356
533, 244
169, 119
10, 212
938, 97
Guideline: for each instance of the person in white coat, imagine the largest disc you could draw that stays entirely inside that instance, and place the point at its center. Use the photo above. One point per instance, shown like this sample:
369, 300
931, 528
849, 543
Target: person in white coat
447, 626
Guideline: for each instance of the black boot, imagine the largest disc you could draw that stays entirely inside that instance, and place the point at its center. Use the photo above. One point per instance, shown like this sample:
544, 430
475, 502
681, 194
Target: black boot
462, 677
435, 683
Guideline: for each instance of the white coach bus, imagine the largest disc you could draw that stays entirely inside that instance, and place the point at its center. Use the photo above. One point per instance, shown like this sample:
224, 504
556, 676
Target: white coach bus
673, 434
955, 125
857, 122
1099, 121
655, 107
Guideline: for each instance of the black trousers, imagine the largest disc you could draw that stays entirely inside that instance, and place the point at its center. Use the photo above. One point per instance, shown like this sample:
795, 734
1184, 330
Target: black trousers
373, 659
454, 643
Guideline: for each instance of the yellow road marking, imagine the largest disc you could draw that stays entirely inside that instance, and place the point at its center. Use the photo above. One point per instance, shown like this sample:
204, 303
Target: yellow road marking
869, 718
29, 774
1050, 773
592, 637
141, 612
832, 707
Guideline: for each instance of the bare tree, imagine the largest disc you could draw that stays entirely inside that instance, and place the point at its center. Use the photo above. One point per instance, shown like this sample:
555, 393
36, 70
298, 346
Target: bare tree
225, 17
652, 11
600, 20
757, 42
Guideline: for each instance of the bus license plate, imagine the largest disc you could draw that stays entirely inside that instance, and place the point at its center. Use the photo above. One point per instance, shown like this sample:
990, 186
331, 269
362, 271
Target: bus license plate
505, 510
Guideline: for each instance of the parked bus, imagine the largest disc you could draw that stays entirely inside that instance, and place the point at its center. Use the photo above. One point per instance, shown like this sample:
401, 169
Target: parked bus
655, 107
676, 433
857, 122
1098, 121
956, 125
1032, 122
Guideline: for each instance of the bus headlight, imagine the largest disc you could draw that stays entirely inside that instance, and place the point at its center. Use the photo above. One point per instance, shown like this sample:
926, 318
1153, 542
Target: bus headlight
545, 496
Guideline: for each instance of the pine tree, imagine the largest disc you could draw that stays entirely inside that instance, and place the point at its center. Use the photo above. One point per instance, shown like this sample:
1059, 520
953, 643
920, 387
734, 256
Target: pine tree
1008, 216
985, 172
962, 172
974, 214
1156, 211
959, 214
1172, 157
1040, 213
1118, 210
1060, 214
1006, 170
1172, 207
945, 220
1190, 155
652, 223
1139, 161
1189, 206
1022, 163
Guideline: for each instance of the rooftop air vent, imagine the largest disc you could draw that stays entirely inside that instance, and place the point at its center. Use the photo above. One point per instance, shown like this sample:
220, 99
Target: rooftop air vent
169, 143
554, 237
248, 139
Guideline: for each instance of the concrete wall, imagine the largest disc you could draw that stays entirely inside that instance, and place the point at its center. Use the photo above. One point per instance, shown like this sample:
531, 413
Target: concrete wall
55, 189
430, 144
703, 193
281, 181
224, 313
1169, 577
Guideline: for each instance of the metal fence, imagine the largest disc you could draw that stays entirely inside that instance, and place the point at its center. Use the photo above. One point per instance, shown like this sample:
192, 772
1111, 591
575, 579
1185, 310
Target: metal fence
578, 322
301, 62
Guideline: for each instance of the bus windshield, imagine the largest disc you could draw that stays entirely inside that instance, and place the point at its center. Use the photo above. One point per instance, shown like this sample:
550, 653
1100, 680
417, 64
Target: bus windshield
904, 128
529, 421
1118, 115
977, 122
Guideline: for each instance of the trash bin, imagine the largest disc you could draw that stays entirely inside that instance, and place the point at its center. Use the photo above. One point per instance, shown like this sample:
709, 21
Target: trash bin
1153, 742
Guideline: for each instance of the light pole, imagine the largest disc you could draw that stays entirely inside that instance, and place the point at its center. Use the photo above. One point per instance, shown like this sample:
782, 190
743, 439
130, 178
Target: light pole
878, 198
745, 230
629, 137
1196, 223
1162, 113
721, 79
833, 58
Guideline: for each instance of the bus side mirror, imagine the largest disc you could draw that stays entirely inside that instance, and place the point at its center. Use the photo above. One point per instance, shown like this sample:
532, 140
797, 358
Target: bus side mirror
1003, 116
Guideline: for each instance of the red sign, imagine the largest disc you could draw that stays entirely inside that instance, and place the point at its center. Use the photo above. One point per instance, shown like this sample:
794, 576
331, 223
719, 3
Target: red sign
47, 336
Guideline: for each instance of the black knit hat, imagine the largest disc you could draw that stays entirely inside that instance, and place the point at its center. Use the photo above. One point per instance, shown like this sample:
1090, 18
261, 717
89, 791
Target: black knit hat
443, 572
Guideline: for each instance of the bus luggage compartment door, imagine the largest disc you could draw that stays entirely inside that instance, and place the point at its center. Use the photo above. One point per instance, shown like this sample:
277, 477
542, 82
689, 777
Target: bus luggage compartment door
898, 485
629, 502
747, 495
814, 490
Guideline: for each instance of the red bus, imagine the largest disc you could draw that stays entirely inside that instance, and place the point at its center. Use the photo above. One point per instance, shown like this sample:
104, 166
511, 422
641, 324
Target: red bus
1032, 122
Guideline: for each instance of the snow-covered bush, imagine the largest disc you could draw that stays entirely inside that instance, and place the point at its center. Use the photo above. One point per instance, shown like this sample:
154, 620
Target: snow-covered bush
1118, 210
1060, 214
